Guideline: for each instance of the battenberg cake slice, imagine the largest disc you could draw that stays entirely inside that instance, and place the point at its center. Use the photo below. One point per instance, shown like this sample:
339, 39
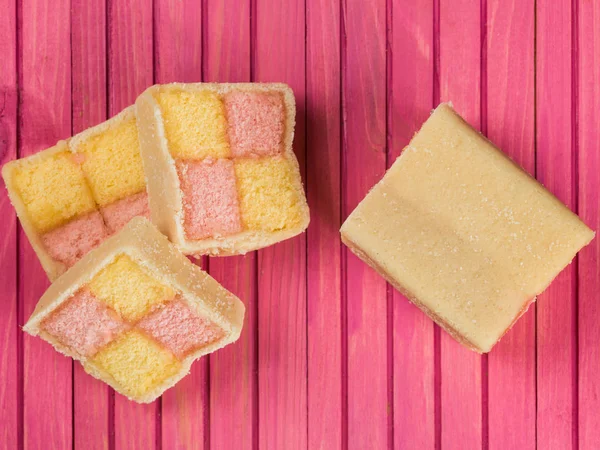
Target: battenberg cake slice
55, 206
71, 197
109, 155
464, 232
222, 176
137, 313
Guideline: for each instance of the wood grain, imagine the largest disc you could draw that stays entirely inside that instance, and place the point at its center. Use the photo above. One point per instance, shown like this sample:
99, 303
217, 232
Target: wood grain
227, 56
330, 357
510, 125
44, 118
233, 380
461, 369
92, 402
323, 60
282, 402
178, 41
9, 331
588, 95
178, 57
556, 308
413, 332
130, 71
233, 377
364, 102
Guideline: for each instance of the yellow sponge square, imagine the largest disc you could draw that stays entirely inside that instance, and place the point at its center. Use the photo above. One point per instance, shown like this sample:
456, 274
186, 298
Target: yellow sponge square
268, 191
137, 363
53, 190
128, 288
195, 124
112, 162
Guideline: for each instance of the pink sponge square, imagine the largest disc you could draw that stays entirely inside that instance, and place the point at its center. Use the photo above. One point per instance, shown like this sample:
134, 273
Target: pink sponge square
84, 323
210, 200
256, 121
119, 213
179, 329
69, 242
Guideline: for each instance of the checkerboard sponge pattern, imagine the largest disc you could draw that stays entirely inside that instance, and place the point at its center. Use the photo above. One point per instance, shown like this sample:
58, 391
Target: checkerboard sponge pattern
130, 325
74, 195
233, 172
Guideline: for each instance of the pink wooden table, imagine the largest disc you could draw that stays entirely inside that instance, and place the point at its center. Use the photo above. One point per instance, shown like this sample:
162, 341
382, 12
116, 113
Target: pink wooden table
331, 357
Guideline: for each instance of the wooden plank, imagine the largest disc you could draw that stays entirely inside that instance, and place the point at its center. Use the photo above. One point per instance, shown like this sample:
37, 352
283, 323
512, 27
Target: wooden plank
233, 381
44, 118
93, 419
178, 41
130, 42
130, 71
413, 332
588, 95
364, 102
178, 57
9, 330
556, 308
323, 137
461, 369
279, 56
227, 45
510, 125
233, 377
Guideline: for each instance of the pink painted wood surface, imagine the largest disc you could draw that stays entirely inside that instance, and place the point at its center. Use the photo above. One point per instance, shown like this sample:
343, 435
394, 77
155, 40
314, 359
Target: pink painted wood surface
411, 101
44, 118
178, 57
324, 321
177, 41
461, 370
10, 334
233, 375
233, 371
364, 109
330, 356
556, 150
509, 123
278, 52
588, 95
130, 71
92, 399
